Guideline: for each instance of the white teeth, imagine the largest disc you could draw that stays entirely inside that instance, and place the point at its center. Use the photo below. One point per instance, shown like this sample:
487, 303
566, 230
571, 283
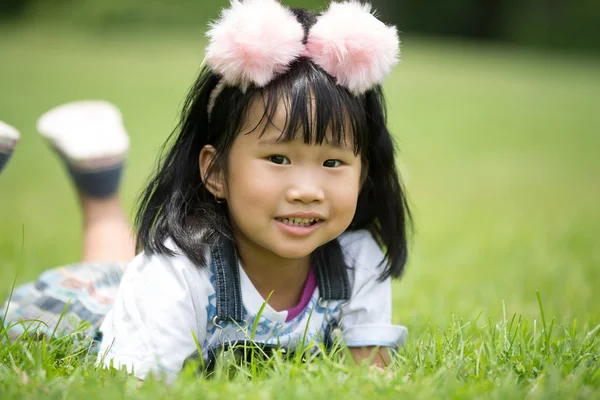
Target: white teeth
298, 221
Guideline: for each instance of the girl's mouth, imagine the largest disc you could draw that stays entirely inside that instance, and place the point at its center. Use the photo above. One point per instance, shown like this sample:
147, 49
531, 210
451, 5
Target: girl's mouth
301, 222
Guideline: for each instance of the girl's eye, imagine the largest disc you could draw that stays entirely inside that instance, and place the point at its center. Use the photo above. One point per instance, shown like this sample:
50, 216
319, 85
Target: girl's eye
277, 159
332, 163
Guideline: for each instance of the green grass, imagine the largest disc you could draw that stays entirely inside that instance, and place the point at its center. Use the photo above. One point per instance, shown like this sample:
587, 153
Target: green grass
499, 149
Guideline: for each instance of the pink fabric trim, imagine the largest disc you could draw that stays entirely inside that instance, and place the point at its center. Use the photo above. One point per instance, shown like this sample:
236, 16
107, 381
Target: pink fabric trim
307, 292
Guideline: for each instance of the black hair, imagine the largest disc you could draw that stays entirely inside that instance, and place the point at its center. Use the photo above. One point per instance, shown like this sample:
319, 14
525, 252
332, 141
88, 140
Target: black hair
175, 204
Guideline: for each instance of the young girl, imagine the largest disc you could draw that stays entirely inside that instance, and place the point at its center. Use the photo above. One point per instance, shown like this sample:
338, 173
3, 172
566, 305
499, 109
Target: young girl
279, 186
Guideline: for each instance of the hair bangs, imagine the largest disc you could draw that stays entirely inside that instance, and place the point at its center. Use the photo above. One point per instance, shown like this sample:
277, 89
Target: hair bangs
317, 109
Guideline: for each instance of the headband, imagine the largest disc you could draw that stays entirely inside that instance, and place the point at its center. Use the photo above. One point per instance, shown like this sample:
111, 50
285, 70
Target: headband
256, 40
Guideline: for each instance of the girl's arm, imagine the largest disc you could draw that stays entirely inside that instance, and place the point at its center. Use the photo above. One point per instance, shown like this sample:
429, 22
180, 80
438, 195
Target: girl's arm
149, 330
367, 326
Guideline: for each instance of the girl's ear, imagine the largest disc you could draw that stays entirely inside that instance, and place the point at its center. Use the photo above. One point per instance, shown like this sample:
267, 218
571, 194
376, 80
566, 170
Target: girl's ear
211, 175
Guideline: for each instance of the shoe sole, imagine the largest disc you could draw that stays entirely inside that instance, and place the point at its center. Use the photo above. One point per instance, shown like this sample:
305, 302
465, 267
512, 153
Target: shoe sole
89, 134
9, 137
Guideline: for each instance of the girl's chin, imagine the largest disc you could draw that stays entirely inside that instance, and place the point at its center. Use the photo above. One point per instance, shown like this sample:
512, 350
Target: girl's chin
294, 252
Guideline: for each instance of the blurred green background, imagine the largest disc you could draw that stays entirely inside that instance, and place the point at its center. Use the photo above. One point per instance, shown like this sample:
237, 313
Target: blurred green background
495, 108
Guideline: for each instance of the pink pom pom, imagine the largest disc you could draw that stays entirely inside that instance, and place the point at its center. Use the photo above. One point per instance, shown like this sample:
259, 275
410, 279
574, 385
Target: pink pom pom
253, 42
353, 46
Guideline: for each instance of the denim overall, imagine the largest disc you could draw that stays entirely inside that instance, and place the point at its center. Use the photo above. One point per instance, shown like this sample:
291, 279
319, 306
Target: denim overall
332, 279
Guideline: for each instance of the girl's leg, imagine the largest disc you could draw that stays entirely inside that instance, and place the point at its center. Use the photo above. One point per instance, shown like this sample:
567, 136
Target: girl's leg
90, 138
9, 137
107, 234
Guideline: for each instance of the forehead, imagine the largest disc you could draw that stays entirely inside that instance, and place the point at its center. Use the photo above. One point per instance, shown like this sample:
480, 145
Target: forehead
283, 121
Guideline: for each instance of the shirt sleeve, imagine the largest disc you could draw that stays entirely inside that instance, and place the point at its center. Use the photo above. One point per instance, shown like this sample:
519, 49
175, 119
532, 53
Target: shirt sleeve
367, 318
149, 330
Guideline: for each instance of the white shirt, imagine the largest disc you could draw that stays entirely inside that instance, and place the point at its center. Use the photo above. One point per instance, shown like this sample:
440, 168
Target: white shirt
163, 302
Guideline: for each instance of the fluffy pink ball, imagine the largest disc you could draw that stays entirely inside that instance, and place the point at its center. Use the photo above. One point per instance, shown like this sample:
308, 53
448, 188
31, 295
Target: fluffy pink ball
353, 46
253, 42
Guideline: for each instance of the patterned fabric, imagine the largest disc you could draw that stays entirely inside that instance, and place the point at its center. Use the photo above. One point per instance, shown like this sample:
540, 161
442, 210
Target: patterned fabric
63, 300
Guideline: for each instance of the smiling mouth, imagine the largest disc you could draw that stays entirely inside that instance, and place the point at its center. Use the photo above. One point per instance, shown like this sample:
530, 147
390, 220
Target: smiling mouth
303, 222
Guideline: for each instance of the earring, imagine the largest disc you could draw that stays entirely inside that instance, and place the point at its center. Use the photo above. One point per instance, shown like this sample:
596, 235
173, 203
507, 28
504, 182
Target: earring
218, 200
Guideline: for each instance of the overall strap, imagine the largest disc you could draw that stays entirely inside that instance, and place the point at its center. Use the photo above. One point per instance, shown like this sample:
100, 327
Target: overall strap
227, 282
332, 272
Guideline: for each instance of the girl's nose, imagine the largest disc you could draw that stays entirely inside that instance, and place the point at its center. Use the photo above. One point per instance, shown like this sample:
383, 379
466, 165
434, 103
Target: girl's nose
305, 192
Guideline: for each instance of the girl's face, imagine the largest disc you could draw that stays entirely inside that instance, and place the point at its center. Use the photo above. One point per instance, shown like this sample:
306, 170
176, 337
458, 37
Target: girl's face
288, 198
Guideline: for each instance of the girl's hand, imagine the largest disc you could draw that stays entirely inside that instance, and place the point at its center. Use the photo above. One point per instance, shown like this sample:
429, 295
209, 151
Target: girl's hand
379, 356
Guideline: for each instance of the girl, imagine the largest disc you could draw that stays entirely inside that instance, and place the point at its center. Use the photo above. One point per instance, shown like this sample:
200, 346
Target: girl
279, 186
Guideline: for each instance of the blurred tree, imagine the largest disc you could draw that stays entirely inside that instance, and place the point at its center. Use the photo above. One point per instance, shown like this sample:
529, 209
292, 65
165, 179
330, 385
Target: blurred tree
12, 7
552, 23
549, 23
470, 18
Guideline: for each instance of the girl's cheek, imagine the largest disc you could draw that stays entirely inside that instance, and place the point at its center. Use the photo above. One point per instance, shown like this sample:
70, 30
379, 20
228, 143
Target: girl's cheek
258, 184
348, 186
245, 173
345, 195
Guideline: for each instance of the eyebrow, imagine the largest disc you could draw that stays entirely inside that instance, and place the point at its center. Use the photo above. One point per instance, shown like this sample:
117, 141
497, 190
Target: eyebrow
277, 140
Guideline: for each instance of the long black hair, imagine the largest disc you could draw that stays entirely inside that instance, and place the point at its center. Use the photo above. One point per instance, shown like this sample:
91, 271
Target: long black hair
176, 205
